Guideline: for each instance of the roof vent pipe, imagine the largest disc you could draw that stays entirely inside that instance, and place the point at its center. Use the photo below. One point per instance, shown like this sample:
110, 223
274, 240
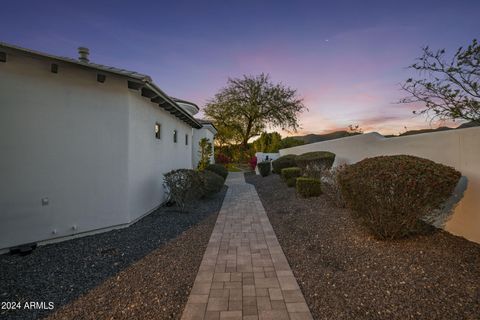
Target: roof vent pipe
83, 54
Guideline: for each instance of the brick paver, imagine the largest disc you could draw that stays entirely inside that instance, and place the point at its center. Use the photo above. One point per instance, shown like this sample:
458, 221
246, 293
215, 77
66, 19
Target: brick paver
244, 273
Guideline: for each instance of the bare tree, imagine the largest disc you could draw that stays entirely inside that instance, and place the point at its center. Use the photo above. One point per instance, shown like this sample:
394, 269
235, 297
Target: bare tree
449, 89
355, 129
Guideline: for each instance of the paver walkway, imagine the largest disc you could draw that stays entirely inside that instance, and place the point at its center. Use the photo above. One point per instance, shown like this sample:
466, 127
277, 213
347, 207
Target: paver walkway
244, 273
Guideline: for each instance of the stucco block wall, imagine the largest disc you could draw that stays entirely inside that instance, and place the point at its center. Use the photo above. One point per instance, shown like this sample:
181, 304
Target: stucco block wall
88, 147
457, 148
149, 158
62, 137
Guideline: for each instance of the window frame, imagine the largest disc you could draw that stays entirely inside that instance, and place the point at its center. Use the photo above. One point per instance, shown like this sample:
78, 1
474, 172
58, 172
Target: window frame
158, 134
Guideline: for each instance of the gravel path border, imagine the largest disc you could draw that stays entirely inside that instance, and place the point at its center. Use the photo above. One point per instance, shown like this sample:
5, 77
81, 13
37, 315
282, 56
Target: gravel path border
153, 262
345, 273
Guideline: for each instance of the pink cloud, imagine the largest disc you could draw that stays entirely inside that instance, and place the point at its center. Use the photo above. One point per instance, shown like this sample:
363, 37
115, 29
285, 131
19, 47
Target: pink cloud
343, 82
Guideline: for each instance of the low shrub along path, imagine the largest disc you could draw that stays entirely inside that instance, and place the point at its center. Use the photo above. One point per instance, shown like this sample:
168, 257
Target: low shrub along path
244, 273
345, 273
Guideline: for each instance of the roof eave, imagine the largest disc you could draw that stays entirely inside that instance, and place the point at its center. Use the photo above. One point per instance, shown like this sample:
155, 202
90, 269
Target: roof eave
192, 121
87, 65
140, 79
186, 102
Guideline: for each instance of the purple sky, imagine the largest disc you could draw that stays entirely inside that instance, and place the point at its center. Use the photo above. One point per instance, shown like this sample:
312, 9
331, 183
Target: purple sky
346, 58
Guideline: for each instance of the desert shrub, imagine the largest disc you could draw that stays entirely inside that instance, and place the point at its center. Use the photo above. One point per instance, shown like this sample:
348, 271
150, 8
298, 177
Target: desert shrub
313, 163
391, 194
211, 182
205, 151
286, 161
290, 175
218, 169
264, 168
183, 186
253, 162
308, 187
222, 159
331, 187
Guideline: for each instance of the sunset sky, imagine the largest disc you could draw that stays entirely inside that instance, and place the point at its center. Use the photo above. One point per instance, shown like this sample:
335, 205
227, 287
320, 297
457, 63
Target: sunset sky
346, 58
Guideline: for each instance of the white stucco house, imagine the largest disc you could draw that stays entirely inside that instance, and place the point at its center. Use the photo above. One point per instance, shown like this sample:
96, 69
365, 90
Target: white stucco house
83, 146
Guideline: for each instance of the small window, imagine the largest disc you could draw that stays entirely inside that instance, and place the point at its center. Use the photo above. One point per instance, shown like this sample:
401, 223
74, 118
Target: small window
175, 136
157, 130
186, 139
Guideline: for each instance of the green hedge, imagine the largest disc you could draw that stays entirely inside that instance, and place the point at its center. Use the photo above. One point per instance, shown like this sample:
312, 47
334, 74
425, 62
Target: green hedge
308, 187
211, 182
286, 161
292, 182
264, 168
218, 169
390, 195
290, 175
313, 163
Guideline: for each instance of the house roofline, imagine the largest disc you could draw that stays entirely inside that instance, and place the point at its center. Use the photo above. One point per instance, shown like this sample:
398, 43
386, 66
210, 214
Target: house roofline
88, 65
184, 114
206, 122
138, 81
186, 102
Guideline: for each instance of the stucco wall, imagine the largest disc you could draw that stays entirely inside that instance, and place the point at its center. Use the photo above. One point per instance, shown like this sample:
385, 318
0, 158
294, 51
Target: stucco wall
457, 148
88, 147
62, 137
150, 158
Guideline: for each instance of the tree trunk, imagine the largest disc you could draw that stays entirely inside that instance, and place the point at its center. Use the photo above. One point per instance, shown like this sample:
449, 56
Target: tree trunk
247, 135
245, 144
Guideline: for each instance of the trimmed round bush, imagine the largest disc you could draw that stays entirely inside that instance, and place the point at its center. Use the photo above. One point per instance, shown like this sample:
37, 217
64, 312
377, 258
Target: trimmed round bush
292, 182
183, 186
283, 162
218, 169
308, 187
264, 168
290, 175
390, 195
211, 182
313, 163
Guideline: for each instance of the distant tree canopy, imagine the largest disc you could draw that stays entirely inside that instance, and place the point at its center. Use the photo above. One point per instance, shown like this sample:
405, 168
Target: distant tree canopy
290, 142
355, 129
449, 89
225, 136
268, 142
248, 105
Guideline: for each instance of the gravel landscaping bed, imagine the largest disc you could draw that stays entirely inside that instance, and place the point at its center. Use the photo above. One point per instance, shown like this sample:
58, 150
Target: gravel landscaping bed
345, 273
144, 271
